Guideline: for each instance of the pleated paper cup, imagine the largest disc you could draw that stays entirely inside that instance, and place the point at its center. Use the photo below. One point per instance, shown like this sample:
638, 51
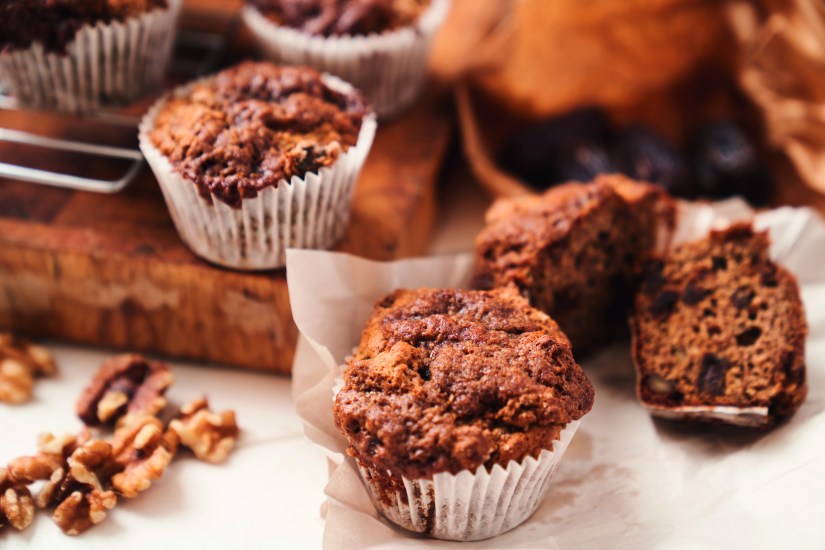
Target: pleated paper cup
389, 68
104, 64
469, 505
312, 211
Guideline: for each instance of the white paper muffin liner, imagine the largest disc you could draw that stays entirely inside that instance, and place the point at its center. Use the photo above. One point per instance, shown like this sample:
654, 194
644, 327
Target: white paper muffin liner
471, 505
104, 64
390, 68
308, 212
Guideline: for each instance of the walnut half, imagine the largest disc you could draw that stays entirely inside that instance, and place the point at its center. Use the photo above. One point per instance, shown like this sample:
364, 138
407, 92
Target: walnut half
79, 490
143, 451
209, 435
124, 385
20, 363
16, 503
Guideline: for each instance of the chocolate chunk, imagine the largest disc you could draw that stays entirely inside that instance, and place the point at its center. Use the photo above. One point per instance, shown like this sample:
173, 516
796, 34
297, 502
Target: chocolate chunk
719, 263
748, 337
712, 376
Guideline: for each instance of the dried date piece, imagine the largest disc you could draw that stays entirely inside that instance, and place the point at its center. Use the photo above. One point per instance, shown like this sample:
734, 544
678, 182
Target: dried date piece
124, 385
16, 503
209, 435
80, 490
20, 363
143, 451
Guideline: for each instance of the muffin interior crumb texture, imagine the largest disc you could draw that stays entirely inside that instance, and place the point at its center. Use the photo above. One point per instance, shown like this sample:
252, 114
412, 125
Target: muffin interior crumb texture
449, 380
54, 23
718, 323
255, 124
342, 17
574, 251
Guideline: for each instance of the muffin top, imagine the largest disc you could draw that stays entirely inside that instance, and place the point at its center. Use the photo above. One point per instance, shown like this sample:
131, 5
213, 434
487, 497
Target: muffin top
342, 17
54, 23
255, 124
446, 380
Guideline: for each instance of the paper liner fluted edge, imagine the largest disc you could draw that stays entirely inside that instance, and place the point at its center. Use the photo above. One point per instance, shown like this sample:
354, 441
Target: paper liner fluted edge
308, 212
470, 505
105, 63
389, 68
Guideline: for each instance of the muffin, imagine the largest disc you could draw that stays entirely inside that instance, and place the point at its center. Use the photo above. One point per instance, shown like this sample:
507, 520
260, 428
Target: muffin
574, 250
259, 158
80, 55
457, 407
379, 45
719, 333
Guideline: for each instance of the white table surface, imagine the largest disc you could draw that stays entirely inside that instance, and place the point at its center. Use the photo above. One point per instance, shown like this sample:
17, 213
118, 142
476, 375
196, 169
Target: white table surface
270, 492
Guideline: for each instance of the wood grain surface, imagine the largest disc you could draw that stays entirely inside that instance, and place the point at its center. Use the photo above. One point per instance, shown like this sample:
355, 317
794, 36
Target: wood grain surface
110, 270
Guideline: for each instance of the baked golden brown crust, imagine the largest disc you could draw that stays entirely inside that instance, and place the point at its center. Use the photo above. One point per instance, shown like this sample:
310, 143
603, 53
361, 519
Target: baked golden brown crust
574, 250
54, 23
718, 324
449, 380
342, 17
255, 124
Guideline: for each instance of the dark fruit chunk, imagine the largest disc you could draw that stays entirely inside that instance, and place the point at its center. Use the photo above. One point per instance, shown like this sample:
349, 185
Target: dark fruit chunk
748, 337
742, 297
644, 155
534, 155
664, 303
693, 295
582, 162
712, 376
725, 163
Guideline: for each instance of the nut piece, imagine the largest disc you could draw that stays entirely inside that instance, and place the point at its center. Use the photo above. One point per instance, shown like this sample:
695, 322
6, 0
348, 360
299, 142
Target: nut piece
53, 452
143, 451
210, 436
16, 503
20, 363
124, 385
16, 382
80, 489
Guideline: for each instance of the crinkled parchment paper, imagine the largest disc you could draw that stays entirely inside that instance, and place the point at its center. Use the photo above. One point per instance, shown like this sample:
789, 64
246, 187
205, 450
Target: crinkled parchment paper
627, 481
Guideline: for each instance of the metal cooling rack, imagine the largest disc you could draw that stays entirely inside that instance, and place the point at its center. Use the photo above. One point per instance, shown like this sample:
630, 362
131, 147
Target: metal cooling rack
213, 45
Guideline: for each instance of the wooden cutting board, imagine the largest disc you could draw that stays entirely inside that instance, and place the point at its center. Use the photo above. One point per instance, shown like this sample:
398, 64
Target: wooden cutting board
110, 270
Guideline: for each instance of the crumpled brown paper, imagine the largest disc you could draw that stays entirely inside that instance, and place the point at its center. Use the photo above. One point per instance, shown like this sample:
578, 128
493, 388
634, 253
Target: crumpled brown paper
633, 58
782, 69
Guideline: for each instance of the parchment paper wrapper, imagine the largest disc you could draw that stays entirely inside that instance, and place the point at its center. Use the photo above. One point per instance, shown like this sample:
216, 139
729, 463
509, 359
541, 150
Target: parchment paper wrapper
626, 477
105, 64
390, 68
308, 212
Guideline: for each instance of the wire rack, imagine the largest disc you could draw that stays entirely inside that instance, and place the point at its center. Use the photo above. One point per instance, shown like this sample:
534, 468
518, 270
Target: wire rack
208, 48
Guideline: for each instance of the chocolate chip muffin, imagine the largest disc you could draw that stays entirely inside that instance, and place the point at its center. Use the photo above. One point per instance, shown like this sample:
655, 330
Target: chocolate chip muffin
81, 55
719, 332
574, 250
256, 125
342, 17
259, 158
448, 381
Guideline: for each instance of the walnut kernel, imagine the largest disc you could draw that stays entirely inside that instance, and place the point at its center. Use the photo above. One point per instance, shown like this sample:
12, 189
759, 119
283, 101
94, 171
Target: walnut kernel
209, 435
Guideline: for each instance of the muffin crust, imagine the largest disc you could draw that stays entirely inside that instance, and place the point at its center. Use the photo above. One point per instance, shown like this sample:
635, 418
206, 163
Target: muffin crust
448, 380
255, 124
342, 17
54, 23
